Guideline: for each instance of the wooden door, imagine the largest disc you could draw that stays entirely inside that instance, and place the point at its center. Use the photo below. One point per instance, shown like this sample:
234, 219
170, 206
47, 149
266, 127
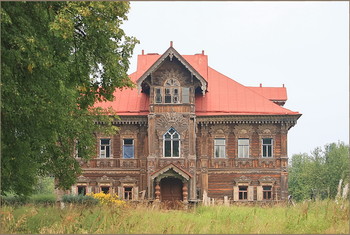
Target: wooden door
171, 189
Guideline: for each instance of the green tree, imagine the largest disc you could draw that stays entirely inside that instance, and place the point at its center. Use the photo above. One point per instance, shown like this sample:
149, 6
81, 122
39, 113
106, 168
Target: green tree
318, 175
57, 60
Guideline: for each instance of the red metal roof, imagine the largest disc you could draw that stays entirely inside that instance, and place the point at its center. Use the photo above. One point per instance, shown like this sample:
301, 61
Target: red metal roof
272, 93
225, 96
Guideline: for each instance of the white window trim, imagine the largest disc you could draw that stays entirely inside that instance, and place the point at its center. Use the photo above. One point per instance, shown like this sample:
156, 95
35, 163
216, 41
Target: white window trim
132, 145
110, 148
272, 146
244, 145
215, 138
171, 148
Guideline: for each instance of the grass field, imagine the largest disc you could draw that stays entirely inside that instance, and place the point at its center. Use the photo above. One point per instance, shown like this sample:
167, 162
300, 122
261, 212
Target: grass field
305, 218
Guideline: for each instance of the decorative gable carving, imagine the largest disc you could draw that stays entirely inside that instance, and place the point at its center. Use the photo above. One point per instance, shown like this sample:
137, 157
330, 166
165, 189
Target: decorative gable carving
128, 179
267, 180
173, 74
171, 53
242, 180
243, 130
168, 120
267, 130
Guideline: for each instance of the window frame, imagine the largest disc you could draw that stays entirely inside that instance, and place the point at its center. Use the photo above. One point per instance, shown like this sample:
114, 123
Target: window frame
128, 193
268, 145
267, 192
220, 145
172, 143
244, 193
133, 147
109, 189
246, 147
82, 186
109, 145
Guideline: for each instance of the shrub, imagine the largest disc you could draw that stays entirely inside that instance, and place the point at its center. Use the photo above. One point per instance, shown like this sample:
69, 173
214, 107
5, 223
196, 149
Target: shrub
14, 200
107, 199
79, 199
44, 199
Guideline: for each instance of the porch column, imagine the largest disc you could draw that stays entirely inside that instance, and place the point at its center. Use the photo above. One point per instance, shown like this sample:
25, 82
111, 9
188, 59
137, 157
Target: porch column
185, 192
157, 192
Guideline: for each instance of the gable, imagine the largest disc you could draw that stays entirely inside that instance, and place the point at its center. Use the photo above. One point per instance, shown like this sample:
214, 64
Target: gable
170, 55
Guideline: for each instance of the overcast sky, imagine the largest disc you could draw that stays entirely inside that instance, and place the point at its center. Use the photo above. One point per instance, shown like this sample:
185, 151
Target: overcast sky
304, 45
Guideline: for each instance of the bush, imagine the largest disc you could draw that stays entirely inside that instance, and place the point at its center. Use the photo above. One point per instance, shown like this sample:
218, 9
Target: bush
43, 199
79, 199
14, 200
107, 199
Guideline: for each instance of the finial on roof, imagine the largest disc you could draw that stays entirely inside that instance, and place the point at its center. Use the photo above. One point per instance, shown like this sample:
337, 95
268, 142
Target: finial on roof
171, 43
143, 52
260, 85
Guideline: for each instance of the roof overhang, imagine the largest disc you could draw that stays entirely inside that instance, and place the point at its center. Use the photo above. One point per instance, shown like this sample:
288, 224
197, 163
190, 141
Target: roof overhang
171, 52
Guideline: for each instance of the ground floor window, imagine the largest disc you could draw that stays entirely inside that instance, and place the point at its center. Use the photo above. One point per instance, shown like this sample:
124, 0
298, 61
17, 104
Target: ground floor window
105, 190
128, 193
81, 190
243, 192
267, 192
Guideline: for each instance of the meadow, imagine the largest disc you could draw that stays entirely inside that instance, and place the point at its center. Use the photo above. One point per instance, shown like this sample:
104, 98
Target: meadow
303, 218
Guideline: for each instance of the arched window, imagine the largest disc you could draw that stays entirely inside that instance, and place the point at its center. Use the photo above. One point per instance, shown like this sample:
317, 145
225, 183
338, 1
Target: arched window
171, 91
171, 143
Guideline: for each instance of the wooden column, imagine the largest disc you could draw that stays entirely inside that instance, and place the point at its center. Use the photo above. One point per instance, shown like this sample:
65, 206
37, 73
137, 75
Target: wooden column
157, 192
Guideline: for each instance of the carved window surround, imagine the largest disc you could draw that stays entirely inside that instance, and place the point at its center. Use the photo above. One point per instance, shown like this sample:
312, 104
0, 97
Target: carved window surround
243, 131
267, 131
129, 133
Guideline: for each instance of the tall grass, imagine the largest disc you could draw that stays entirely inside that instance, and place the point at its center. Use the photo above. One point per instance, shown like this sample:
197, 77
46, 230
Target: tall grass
305, 218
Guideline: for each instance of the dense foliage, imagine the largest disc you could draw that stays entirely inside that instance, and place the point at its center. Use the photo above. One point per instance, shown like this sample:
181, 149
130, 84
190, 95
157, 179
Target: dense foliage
318, 175
57, 60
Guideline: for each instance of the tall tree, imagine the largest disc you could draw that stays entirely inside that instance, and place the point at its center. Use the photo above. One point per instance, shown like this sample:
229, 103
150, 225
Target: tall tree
57, 60
318, 175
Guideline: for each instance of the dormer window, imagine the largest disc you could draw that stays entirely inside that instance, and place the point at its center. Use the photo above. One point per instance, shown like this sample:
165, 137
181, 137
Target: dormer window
172, 93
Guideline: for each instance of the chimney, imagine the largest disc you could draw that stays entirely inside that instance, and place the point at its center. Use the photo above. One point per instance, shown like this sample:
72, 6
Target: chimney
283, 85
171, 43
202, 52
143, 52
260, 85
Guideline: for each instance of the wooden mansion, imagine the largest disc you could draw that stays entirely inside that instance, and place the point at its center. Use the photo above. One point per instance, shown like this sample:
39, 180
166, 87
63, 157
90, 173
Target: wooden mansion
188, 130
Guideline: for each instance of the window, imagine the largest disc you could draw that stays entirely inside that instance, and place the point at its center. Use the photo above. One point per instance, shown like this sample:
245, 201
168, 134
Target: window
243, 148
158, 96
185, 95
267, 192
171, 143
128, 193
267, 147
219, 148
105, 146
81, 190
243, 192
105, 190
128, 148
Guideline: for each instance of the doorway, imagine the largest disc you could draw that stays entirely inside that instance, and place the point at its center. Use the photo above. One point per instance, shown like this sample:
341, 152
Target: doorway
171, 189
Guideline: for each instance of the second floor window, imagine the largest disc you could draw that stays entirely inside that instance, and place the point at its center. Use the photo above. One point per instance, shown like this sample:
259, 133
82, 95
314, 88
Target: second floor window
128, 148
243, 148
105, 148
267, 147
219, 148
171, 143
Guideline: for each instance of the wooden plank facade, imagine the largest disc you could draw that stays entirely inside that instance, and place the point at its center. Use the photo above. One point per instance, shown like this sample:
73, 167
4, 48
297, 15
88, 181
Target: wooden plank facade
191, 133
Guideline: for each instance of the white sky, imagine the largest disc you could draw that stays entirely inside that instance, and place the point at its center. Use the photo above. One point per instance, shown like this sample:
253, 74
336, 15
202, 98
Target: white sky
304, 45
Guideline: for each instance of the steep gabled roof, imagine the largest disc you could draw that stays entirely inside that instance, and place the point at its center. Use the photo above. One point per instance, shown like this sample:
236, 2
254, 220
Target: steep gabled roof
225, 96
171, 52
